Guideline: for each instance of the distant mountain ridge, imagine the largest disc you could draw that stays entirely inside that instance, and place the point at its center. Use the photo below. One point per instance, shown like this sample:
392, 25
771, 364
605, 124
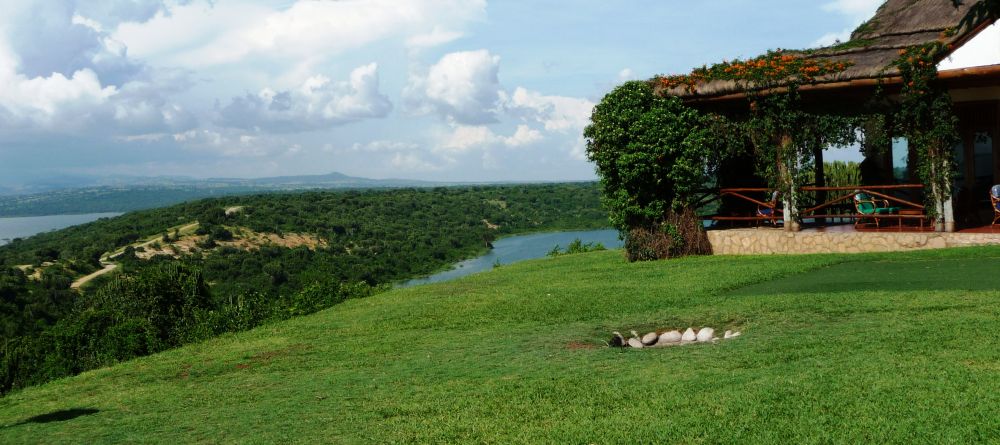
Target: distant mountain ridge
82, 194
68, 182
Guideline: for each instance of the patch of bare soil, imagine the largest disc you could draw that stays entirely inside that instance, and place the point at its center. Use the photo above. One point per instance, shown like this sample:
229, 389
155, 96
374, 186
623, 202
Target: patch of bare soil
243, 239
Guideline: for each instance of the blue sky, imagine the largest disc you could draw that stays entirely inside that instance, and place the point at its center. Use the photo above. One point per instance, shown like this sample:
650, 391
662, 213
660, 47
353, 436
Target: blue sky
464, 90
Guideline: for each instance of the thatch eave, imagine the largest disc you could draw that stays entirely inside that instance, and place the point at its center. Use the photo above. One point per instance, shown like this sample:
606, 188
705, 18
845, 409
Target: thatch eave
898, 24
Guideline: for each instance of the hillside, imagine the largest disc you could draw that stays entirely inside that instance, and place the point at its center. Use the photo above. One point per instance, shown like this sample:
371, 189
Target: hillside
148, 281
836, 349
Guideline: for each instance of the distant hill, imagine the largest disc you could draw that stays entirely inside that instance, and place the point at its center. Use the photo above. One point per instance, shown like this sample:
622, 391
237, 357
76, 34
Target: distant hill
71, 195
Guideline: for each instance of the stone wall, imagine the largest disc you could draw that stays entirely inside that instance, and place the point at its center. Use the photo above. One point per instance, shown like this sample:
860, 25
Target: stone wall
762, 241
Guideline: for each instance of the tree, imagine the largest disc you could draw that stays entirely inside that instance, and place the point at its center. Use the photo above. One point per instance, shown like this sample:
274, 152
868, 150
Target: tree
653, 154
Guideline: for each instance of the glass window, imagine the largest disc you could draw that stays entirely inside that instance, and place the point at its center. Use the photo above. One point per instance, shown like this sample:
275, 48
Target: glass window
900, 159
983, 150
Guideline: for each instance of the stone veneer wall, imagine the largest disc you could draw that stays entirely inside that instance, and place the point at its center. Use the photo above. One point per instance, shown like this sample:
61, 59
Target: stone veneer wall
764, 241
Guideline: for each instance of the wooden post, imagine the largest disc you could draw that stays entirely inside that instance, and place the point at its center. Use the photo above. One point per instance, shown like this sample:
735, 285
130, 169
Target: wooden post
787, 177
820, 179
948, 202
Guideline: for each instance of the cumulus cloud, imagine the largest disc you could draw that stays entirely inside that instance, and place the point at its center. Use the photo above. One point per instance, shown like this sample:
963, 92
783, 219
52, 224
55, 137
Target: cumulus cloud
317, 103
235, 143
381, 146
463, 87
437, 36
40, 100
227, 31
465, 137
626, 74
414, 162
556, 113
62, 72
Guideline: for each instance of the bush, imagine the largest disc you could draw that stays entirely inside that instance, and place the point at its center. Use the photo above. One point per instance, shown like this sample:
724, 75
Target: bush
577, 246
653, 154
679, 235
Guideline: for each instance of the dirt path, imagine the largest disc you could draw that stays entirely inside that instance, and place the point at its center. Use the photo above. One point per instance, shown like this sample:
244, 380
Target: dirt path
108, 267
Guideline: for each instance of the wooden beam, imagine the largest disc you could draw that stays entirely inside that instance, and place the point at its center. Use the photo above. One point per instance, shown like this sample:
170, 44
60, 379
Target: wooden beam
954, 77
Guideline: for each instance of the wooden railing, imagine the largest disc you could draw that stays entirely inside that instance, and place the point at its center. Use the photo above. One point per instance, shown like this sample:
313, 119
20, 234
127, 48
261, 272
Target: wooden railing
844, 200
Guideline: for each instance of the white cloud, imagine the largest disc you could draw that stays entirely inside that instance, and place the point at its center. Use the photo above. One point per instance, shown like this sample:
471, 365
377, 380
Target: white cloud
832, 38
556, 113
40, 100
465, 137
626, 75
235, 143
857, 11
227, 31
413, 162
62, 73
462, 86
384, 146
437, 36
81, 20
524, 135
317, 103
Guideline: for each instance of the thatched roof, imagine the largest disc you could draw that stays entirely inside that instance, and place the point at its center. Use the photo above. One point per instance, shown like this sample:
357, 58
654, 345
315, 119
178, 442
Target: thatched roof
875, 45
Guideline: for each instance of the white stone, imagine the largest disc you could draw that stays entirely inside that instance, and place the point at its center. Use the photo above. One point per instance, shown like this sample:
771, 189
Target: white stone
705, 334
731, 334
728, 334
650, 339
635, 343
689, 335
671, 337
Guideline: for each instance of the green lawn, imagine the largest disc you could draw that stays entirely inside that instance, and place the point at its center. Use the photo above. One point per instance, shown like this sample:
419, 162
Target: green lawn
898, 348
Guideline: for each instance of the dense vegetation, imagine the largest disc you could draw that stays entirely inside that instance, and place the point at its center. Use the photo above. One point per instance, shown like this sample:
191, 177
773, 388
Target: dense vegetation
369, 239
875, 348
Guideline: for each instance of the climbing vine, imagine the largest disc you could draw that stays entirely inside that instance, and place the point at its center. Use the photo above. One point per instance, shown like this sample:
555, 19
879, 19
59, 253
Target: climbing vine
653, 153
926, 118
784, 135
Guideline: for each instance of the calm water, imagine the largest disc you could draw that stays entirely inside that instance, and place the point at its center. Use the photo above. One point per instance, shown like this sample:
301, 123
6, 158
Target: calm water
520, 248
23, 227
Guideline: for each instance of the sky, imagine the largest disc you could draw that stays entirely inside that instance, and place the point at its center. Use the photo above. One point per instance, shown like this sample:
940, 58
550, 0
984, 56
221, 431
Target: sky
446, 90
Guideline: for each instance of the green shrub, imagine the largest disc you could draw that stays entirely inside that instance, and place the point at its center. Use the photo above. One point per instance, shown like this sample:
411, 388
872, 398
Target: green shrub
576, 246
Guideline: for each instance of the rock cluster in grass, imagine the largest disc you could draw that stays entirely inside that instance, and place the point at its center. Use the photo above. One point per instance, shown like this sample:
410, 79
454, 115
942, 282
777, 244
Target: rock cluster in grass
662, 339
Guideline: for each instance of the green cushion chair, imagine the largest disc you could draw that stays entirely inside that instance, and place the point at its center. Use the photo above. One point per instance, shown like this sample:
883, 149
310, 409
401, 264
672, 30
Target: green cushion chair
869, 207
995, 199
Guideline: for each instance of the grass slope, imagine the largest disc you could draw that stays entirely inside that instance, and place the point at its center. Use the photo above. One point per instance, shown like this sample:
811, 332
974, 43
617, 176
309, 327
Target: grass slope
833, 352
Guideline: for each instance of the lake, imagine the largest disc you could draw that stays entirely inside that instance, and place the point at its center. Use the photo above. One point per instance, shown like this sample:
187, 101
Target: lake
23, 227
520, 248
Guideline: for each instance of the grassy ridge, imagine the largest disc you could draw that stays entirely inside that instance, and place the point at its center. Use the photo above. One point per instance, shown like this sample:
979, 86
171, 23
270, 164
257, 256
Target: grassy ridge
504, 357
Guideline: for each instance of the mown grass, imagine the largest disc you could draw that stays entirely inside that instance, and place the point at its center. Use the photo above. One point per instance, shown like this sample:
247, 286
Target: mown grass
512, 356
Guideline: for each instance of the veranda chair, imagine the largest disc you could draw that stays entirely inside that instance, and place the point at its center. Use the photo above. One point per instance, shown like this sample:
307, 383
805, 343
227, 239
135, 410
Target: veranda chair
770, 212
995, 200
870, 208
